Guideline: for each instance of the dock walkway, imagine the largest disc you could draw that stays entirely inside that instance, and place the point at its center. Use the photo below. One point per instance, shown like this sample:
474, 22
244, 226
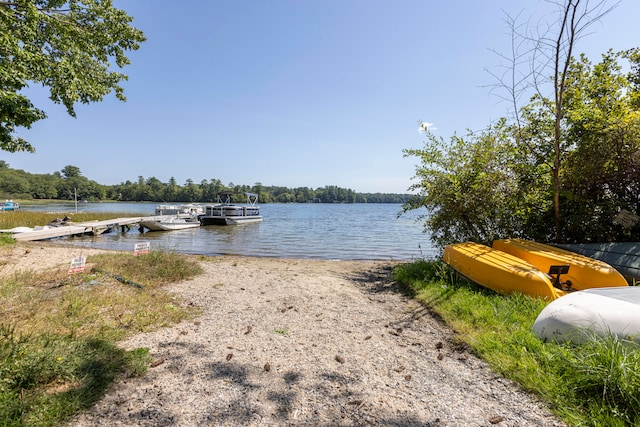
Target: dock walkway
80, 228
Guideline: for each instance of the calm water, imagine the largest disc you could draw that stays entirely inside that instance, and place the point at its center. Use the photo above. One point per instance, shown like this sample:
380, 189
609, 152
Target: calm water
321, 231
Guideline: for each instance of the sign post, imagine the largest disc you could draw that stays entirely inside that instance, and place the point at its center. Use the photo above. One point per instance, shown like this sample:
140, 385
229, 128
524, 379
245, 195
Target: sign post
77, 264
141, 248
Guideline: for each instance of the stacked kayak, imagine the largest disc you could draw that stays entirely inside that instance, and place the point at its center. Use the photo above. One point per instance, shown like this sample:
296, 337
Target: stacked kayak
584, 272
499, 271
603, 303
527, 267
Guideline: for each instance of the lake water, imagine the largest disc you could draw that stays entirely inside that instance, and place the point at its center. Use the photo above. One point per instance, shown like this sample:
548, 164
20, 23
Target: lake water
318, 231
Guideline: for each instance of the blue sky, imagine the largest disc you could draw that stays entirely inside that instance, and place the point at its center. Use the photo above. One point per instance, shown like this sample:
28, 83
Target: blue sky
293, 92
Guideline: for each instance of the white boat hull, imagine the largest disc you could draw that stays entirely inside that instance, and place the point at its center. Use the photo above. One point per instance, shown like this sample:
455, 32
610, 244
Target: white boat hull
601, 311
242, 220
169, 225
229, 220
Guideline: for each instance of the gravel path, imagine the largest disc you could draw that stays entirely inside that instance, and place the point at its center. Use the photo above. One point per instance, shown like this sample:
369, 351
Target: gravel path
309, 343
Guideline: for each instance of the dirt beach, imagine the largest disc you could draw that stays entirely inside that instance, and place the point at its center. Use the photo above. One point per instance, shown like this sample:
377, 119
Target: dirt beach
289, 342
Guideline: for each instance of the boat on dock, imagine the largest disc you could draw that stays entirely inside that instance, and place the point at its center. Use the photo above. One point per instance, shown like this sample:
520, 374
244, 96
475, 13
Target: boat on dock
225, 212
582, 273
9, 205
500, 271
190, 209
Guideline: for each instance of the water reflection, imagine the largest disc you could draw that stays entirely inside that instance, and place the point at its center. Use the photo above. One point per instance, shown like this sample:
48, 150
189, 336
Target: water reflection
321, 231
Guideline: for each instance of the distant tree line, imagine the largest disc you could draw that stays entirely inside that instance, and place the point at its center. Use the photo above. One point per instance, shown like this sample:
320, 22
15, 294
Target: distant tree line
69, 183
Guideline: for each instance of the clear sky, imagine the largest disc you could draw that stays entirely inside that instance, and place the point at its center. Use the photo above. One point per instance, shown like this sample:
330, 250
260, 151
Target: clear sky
294, 93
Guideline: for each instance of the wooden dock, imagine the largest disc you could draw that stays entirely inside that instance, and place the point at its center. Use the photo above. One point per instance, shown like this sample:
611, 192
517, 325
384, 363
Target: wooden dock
80, 228
94, 228
49, 233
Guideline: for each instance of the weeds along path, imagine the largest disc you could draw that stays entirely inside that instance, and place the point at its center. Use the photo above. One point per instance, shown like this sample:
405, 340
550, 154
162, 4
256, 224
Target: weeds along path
39, 256
305, 342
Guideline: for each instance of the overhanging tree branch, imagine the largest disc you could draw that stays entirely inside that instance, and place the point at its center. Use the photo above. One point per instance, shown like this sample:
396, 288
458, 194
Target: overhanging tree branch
550, 46
70, 49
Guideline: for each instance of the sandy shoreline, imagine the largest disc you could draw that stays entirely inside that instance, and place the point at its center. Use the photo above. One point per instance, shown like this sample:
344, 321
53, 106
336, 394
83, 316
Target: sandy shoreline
303, 343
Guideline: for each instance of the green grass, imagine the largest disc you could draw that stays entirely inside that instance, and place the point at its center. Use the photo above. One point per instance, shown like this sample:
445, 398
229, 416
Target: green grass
58, 332
6, 239
47, 378
58, 335
594, 384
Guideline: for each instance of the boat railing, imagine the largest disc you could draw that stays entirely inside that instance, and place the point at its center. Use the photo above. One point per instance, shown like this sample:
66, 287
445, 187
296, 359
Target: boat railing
224, 197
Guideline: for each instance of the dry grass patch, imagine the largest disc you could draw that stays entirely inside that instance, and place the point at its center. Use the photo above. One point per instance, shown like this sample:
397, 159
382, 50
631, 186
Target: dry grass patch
116, 296
58, 331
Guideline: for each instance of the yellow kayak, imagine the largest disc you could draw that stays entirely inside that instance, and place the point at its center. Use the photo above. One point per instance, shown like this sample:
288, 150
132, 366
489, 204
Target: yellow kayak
499, 271
584, 272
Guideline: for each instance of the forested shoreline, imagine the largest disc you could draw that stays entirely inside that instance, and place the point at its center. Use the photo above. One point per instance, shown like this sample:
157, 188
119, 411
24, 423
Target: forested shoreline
69, 183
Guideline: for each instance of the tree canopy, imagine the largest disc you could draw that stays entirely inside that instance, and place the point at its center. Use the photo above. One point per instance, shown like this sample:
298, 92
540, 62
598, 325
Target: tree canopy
499, 183
564, 165
68, 46
69, 183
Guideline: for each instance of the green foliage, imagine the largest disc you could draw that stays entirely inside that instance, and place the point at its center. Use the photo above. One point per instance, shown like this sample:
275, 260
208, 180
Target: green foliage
473, 188
58, 333
46, 378
499, 183
70, 47
605, 373
602, 171
69, 183
597, 383
6, 239
65, 185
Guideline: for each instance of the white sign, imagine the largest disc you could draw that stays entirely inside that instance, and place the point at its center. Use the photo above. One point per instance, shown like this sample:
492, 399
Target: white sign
626, 219
141, 248
77, 264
